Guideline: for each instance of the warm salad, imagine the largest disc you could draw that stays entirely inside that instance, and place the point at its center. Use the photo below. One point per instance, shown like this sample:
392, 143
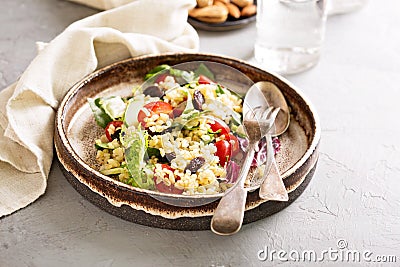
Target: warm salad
178, 133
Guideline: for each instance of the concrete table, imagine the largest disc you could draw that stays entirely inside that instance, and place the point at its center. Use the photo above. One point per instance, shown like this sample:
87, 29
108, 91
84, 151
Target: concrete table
353, 200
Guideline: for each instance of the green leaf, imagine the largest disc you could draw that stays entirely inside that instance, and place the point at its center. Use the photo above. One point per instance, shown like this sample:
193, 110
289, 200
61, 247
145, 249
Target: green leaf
156, 70
134, 141
203, 70
132, 182
219, 90
151, 151
101, 117
185, 75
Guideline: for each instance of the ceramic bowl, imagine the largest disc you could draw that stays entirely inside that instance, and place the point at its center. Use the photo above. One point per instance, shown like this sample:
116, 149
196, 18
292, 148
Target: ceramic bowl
76, 131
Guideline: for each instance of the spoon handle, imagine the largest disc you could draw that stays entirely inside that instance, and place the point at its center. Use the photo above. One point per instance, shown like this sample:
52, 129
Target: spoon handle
228, 215
272, 186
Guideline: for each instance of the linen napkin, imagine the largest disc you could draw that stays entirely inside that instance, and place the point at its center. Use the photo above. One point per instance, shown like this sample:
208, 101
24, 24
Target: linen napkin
102, 4
27, 107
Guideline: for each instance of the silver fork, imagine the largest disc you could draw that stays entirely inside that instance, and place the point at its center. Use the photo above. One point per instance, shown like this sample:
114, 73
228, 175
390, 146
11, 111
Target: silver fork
272, 186
228, 215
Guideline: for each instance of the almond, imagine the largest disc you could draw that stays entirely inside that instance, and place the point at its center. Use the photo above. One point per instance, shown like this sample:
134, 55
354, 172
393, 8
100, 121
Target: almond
203, 3
211, 14
221, 4
242, 3
249, 10
223, 1
234, 11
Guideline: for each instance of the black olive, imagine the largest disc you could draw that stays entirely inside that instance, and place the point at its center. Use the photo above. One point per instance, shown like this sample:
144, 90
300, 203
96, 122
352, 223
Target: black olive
195, 164
168, 130
176, 112
198, 100
116, 134
170, 156
150, 132
154, 91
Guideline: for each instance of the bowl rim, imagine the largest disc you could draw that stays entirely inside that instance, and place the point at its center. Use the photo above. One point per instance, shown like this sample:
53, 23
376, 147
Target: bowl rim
81, 83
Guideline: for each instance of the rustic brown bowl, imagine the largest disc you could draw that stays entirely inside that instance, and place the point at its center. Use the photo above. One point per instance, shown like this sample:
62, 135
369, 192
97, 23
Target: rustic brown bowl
76, 130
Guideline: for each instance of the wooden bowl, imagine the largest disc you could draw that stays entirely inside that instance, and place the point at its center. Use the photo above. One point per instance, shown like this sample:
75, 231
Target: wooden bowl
76, 131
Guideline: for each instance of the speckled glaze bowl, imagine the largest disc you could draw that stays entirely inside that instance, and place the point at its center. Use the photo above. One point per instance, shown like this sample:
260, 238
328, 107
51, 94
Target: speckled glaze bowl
76, 131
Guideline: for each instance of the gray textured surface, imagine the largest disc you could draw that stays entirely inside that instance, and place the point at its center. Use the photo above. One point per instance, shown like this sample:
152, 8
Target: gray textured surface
354, 196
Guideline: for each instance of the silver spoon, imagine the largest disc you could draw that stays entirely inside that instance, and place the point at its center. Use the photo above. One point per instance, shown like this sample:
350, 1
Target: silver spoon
275, 98
228, 215
272, 186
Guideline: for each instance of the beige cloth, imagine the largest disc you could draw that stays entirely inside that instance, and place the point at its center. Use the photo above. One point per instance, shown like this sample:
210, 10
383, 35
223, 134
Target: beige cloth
103, 4
27, 107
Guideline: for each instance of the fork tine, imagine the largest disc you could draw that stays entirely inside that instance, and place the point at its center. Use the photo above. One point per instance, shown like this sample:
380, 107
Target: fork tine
252, 113
265, 123
256, 110
249, 115
273, 114
270, 112
259, 112
266, 113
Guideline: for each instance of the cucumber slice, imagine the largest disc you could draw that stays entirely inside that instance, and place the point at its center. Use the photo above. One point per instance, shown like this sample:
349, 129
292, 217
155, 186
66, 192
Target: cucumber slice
112, 171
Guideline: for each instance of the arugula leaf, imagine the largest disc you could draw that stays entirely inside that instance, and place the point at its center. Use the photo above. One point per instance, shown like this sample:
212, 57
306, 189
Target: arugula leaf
101, 117
156, 70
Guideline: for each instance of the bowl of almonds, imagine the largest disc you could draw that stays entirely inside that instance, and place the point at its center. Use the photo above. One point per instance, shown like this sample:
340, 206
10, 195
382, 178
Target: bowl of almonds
222, 15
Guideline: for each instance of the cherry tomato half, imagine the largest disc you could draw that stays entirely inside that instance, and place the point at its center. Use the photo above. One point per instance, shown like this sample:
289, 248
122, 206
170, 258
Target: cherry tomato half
216, 126
233, 141
154, 108
224, 150
204, 80
162, 187
111, 130
161, 77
